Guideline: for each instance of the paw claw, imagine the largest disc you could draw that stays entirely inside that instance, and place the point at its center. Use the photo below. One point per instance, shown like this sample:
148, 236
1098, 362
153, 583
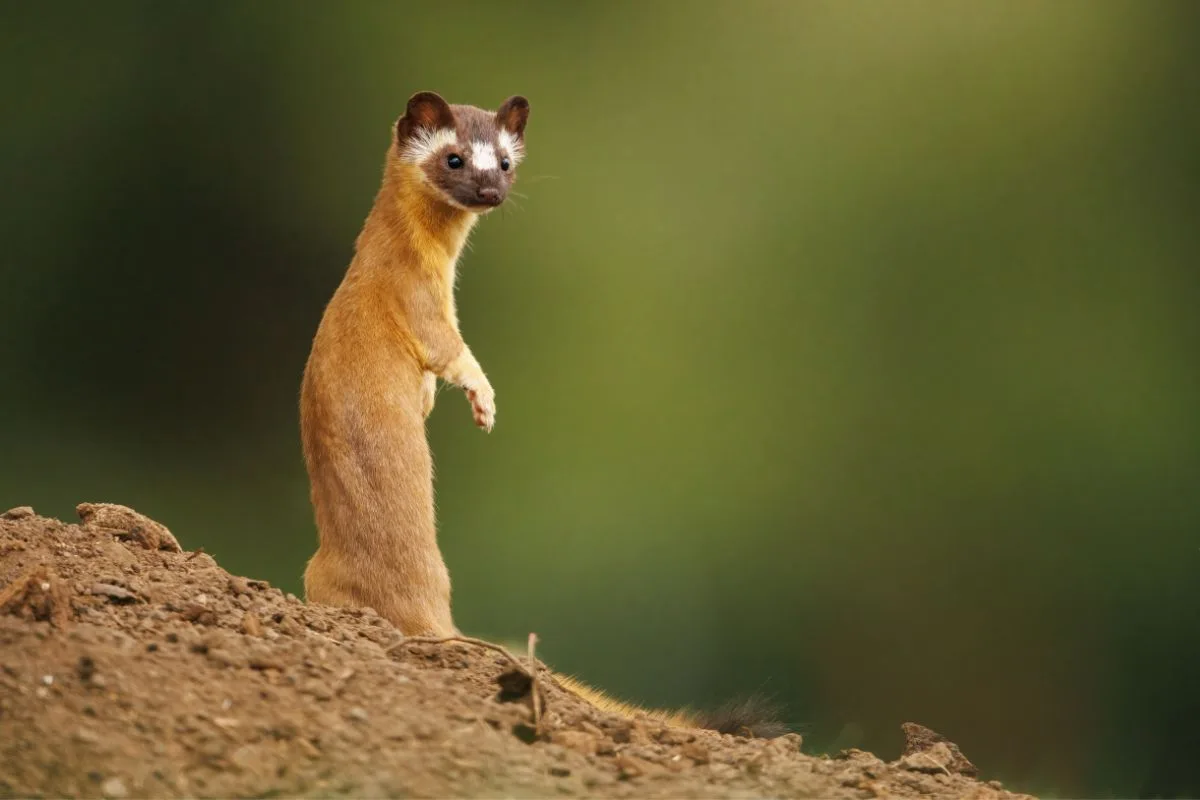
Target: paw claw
483, 407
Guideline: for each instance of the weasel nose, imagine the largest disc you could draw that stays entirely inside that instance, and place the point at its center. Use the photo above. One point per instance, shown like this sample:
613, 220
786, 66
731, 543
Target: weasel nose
489, 195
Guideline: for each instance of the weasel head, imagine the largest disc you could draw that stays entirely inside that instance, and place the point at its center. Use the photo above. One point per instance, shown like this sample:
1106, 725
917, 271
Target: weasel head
465, 155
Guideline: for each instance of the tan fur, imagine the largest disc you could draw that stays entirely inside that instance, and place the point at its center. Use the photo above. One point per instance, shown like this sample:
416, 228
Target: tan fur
389, 332
604, 702
368, 386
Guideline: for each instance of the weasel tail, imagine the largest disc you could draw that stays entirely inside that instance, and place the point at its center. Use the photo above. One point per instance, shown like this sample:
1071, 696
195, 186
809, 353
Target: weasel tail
387, 335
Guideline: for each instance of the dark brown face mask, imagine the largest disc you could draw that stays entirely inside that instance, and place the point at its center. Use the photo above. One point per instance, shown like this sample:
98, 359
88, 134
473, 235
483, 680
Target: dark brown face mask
469, 154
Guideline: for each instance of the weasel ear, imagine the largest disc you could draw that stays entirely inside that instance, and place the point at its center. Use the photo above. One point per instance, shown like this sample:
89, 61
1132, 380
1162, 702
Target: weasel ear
513, 114
426, 110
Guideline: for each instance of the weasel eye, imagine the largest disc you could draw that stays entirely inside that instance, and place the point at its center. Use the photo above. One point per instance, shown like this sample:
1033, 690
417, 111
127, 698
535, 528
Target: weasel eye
504, 164
454, 161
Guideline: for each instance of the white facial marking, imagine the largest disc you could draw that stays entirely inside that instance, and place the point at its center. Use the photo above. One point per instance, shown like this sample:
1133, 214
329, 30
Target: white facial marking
483, 155
513, 146
425, 142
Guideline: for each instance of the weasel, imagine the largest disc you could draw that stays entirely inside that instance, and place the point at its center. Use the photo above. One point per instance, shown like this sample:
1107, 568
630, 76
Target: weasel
389, 332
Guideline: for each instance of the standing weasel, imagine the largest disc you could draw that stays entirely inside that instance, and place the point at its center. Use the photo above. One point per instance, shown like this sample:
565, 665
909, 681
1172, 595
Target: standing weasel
389, 332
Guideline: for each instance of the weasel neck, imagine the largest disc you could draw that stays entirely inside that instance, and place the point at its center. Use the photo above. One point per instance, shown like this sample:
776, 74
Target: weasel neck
411, 227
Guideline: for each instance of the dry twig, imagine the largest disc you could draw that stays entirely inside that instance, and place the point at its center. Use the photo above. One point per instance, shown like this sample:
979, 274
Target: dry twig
533, 675
407, 640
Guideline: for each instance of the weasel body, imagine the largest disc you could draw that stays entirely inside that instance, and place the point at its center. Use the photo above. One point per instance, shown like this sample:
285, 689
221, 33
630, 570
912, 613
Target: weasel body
389, 332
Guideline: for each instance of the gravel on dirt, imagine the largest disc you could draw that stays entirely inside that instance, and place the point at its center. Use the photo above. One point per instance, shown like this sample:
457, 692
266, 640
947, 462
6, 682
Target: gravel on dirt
132, 668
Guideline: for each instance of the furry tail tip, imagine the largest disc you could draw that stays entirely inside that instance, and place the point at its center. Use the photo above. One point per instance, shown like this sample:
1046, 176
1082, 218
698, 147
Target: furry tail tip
753, 717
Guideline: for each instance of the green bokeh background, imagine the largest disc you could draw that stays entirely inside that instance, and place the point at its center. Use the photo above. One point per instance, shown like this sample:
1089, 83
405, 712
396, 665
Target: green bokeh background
846, 351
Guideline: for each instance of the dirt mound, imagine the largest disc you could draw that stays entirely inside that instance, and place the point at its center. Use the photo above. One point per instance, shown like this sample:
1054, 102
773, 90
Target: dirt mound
131, 668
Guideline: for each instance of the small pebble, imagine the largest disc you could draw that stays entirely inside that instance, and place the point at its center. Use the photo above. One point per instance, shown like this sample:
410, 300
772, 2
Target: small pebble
114, 787
20, 512
87, 736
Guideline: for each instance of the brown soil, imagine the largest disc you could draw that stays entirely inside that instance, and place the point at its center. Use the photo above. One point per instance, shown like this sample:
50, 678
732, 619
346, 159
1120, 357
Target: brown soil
131, 668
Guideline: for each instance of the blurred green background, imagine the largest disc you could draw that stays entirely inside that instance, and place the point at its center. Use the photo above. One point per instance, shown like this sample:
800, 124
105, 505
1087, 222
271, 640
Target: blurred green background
845, 351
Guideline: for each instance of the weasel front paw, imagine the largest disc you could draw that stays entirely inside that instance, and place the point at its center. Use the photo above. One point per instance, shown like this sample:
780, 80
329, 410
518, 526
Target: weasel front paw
483, 406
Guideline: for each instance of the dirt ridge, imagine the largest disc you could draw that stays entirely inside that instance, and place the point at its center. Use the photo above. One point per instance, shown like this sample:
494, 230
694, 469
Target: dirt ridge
132, 668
